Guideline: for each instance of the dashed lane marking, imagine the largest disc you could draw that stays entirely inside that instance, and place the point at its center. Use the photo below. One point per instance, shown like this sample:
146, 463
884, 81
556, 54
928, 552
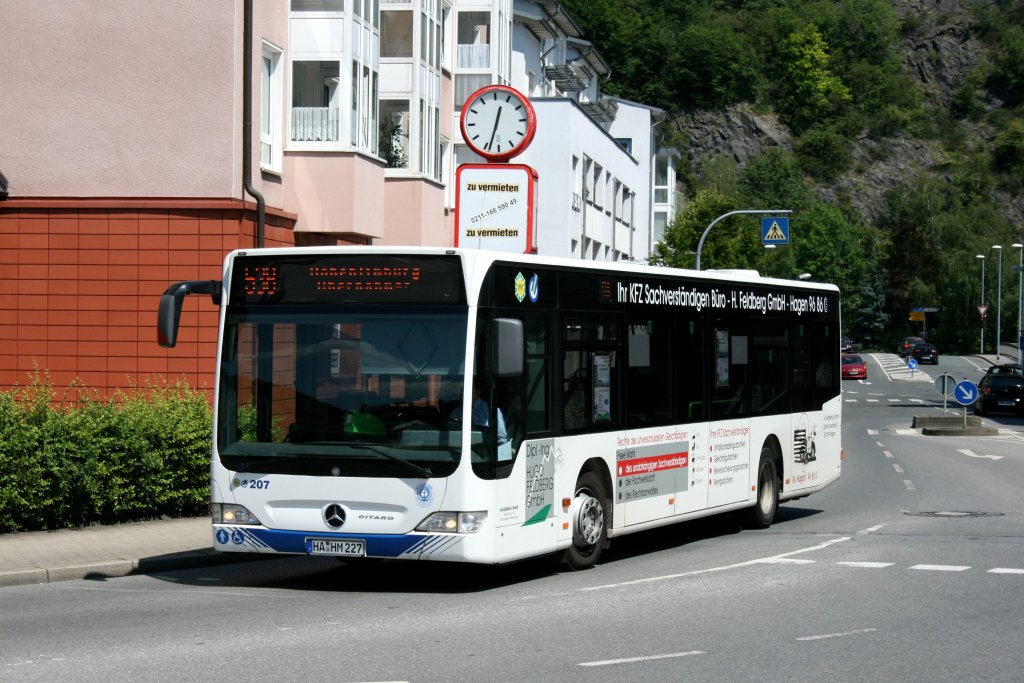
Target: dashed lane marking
941, 567
823, 636
630, 660
867, 565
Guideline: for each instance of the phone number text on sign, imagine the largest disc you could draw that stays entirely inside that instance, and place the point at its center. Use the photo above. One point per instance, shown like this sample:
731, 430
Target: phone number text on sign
493, 211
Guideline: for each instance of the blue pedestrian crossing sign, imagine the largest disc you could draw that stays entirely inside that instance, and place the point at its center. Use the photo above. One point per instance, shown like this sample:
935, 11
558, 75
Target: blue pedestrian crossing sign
775, 230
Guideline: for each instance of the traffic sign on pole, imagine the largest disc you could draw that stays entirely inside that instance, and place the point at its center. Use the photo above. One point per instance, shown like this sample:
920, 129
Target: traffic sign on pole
966, 392
774, 230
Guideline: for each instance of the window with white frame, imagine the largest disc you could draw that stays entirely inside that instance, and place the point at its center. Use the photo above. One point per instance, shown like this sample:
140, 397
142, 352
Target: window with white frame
270, 108
577, 185
598, 195
447, 23
396, 33
318, 5
394, 133
616, 203
660, 223
661, 180
473, 40
588, 180
334, 89
316, 95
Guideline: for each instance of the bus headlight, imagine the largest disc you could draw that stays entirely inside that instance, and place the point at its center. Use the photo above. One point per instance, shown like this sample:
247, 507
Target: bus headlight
454, 522
226, 513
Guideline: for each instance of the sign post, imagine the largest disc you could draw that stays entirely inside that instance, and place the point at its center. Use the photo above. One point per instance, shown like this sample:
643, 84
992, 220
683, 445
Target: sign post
946, 385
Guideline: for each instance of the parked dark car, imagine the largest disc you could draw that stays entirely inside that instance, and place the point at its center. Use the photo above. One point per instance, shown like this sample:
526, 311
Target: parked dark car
845, 345
906, 345
924, 352
1000, 392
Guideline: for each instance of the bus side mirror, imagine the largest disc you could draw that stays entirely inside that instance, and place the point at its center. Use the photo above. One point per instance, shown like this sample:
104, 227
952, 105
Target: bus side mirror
509, 333
169, 313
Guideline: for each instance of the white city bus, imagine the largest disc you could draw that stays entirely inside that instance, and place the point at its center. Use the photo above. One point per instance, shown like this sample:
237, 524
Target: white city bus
455, 404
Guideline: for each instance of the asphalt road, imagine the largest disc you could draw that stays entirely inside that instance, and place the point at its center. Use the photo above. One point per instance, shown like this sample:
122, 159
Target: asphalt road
910, 568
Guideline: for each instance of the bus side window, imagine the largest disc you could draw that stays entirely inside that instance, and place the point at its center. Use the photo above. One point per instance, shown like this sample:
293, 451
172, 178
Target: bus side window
730, 352
690, 370
575, 401
591, 384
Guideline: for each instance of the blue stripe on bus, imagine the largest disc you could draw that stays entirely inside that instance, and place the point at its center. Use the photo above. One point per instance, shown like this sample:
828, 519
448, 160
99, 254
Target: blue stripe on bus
382, 545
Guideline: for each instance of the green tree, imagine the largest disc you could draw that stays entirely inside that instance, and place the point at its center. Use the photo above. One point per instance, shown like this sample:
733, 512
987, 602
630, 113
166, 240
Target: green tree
810, 89
712, 65
679, 248
823, 153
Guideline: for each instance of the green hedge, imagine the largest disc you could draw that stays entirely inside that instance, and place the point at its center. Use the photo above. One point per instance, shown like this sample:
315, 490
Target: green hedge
140, 454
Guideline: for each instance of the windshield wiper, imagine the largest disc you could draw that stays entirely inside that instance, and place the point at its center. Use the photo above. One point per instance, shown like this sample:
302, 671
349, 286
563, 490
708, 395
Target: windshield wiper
420, 471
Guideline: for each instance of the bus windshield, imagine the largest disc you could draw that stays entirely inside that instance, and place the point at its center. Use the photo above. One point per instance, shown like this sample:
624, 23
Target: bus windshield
342, 390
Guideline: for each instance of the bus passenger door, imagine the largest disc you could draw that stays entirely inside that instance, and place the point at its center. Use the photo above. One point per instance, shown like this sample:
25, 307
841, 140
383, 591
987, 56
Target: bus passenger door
729, 448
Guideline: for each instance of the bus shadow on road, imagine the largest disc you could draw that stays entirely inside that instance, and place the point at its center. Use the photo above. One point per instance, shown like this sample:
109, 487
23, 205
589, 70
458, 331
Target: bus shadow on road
686, 533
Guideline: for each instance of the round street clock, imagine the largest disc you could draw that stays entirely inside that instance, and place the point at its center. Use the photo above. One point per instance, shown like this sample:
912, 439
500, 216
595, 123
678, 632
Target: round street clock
498, 122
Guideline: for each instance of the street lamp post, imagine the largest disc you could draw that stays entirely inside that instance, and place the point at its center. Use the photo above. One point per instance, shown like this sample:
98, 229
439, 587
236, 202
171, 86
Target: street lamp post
1020, 305
999, 300
700, 244
982, 302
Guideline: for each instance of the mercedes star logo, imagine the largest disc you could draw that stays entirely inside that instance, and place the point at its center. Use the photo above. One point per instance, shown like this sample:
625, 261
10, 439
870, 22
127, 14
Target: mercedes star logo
334, 515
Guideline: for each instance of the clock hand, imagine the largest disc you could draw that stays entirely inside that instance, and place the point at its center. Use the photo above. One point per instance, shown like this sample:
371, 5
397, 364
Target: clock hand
496, 118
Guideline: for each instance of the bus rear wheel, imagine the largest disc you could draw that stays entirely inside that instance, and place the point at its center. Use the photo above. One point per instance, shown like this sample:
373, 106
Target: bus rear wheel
762, 514
589, 523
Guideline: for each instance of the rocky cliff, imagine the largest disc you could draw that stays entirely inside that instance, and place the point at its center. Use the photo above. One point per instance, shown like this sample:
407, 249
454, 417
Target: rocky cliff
940, 47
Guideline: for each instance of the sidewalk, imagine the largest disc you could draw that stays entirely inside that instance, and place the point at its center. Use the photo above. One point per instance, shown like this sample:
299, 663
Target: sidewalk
106, 551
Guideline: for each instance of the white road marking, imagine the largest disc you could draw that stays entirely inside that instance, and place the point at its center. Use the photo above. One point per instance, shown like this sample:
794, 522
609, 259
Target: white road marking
896, 466
837, 635
971, 454
872, 432
1005, 570
722, 568
628, 660
786, 560
940, 567
867, 565
888, 454
909, 484
871, 528
872, 400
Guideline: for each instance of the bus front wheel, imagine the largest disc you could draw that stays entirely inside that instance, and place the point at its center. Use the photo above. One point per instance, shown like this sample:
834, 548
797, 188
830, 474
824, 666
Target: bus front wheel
763, 513
589, 522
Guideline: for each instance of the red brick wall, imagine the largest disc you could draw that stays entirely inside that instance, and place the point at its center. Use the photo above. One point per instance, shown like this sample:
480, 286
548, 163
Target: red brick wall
80, 281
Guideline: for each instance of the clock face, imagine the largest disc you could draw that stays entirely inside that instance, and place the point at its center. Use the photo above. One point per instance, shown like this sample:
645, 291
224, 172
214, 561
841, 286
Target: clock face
498, 122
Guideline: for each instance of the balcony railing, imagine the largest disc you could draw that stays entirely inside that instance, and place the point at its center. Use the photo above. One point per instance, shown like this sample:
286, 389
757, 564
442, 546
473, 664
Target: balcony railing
473, 57
315, 124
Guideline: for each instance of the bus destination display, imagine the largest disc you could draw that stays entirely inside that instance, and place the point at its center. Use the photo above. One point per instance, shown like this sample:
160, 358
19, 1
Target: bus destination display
346, 279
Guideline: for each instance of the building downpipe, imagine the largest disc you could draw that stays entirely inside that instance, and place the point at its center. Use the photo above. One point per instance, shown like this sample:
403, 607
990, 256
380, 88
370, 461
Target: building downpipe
261, 204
